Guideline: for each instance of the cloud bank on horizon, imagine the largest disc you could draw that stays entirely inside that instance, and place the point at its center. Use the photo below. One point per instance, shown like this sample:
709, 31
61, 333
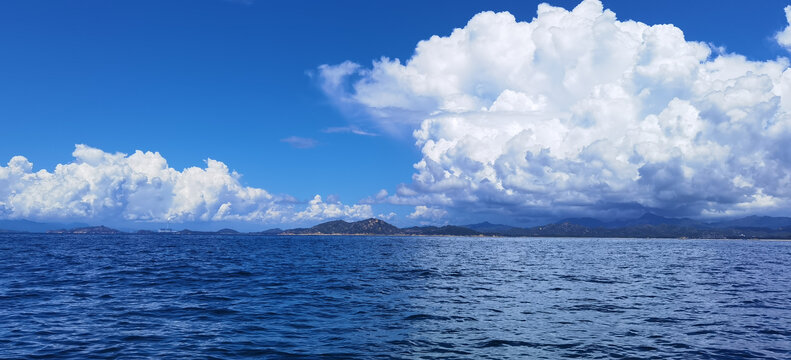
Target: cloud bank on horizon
573, 113
577, 113
141, 187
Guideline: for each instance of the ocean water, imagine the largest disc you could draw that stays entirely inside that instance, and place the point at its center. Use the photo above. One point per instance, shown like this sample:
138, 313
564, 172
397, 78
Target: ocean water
176, 297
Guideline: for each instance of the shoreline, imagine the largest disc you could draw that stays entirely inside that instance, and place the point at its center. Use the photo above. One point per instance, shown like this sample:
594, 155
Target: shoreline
396, 236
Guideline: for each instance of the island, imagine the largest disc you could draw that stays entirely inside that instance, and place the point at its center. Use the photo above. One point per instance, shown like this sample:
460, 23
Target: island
646, 226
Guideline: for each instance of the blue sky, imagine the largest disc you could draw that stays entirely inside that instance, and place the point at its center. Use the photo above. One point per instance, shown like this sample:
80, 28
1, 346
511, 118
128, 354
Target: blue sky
234, 80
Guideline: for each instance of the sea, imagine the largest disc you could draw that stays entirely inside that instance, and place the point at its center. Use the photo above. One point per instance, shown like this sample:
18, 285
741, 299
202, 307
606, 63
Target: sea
360, 297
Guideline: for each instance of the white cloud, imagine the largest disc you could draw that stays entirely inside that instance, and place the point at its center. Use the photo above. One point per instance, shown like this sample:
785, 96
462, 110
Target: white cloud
577, 112
320, 210
300, 142
333, 78
784, 37
142, 187
427, 213
390, 216
348, 129
380, 197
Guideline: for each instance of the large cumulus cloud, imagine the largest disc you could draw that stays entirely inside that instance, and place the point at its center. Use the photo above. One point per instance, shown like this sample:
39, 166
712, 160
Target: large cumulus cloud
784, 37
577, 112
142, 187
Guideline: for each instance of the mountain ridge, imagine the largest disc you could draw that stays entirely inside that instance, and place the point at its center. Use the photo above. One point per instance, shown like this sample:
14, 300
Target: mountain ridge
646, 226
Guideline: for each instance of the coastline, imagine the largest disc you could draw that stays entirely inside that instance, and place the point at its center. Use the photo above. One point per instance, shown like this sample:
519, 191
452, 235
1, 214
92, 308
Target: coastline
481, 236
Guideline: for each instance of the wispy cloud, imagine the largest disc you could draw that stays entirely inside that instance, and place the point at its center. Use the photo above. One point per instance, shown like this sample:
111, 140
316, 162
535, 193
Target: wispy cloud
300, 142
348, 129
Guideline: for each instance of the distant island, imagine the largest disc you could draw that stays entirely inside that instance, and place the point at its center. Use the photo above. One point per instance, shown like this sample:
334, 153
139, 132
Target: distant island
95, 230
646, 226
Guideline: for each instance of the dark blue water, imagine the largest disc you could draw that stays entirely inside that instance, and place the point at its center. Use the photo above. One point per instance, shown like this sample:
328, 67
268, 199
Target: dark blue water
81, 297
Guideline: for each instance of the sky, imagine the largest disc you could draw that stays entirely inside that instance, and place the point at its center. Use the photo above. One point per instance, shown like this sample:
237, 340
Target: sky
261, 114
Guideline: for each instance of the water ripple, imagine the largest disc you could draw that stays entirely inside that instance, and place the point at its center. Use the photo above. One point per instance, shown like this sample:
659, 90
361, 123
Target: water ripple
217, 297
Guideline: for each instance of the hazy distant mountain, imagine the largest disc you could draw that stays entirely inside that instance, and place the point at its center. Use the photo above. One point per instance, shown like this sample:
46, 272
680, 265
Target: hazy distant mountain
766, 222
227, 231
444, 230
554, 230
653, 219
489, 228
646, 226
649, 231
584, 221
36, 227
378, 227
98, 230
198, 232
192, 232
274, 231
645, 219
753, 222
368, 226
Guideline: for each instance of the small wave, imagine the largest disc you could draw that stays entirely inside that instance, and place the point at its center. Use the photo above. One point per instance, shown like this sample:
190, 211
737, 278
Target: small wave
110, 349
142, 338
701, 332
418, 317
238, 273
463, 318
499, 343
344, 287
520, 343
589, 279
441, 350
596, 308
775, 332
223, 311
340, 298
664, 320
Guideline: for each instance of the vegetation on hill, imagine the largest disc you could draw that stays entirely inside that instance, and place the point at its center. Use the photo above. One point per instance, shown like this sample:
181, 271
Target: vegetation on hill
646, 226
